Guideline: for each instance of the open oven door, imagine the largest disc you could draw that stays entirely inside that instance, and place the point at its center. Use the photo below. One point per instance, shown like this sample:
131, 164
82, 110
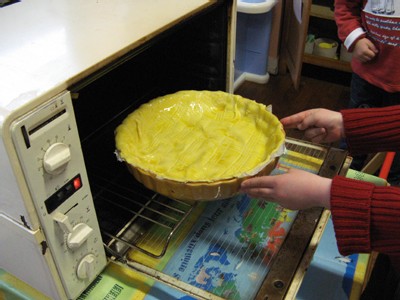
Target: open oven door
293, 38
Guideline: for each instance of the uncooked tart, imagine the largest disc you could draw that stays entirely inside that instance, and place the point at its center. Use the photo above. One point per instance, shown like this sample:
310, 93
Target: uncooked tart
199, 145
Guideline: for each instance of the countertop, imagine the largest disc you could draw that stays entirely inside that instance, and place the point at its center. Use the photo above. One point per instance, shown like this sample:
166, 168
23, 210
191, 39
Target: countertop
46, 46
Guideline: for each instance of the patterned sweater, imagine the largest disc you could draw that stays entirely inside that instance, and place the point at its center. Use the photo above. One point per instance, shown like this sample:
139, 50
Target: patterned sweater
378, 21
367, 217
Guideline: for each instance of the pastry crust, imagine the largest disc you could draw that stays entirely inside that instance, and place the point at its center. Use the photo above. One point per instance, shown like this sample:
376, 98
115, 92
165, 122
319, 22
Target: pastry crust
203, 141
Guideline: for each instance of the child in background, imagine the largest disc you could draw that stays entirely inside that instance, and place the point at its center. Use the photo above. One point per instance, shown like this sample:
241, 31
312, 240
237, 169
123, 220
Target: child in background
369, 29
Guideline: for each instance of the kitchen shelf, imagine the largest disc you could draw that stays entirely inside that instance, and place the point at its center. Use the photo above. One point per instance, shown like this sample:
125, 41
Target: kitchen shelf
327, 62
317, 20
325, 12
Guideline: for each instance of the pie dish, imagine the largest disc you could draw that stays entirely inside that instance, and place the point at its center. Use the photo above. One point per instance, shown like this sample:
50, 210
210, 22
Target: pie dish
199, 145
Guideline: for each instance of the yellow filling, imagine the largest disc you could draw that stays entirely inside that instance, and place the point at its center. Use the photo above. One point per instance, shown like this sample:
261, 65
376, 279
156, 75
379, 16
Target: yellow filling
199, 136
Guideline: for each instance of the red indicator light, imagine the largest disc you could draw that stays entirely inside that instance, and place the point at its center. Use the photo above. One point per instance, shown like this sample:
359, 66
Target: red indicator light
77, 183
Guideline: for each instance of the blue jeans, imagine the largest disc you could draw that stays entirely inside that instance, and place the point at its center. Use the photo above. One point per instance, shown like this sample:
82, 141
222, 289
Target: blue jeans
364, 95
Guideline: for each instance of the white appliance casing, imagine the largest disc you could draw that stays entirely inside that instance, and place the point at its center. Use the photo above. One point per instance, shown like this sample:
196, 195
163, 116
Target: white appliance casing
46, 47
36, 244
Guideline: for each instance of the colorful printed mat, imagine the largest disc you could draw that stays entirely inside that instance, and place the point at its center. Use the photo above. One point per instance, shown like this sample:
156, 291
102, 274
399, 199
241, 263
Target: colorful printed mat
226, 247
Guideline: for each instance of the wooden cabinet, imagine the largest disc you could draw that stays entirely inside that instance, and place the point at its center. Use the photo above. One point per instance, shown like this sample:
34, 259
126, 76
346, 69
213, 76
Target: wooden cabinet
294, 37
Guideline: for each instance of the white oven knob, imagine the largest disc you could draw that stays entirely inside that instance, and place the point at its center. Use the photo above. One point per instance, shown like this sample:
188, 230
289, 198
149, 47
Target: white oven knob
56, 158
76, 235
86, 267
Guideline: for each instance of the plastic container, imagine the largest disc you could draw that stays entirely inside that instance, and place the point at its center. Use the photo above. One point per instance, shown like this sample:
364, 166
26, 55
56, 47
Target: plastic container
309, 45
255, 6
325, 47
253, 30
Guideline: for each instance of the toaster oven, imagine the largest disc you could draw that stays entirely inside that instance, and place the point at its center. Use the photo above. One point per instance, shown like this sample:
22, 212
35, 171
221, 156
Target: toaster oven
71, 213
70, 72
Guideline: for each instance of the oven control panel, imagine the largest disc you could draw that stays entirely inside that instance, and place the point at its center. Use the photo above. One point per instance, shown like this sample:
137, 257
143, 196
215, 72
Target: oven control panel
49, 151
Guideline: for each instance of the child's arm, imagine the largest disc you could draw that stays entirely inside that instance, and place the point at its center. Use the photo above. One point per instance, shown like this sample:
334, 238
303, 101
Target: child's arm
348, 21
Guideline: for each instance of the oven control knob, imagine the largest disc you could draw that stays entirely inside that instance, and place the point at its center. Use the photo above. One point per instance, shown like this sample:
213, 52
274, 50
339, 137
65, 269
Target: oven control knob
80, 233
76, 235
56, 158
86, 267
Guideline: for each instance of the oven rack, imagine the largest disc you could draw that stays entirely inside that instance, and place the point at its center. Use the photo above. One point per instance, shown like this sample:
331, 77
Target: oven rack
129, 215
312, 151
134, 217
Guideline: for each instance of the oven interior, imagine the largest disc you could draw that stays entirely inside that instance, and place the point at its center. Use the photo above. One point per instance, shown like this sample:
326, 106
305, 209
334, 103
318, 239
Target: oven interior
192, 55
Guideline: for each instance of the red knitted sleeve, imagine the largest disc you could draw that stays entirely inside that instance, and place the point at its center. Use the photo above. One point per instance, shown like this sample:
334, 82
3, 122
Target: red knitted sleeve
372, 130
350, 207
366, 217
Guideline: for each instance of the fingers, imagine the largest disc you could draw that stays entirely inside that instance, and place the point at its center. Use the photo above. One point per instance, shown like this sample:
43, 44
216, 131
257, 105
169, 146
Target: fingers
302, 121
367, 56
262, 193
369, 53
309, 121
365, 50
293, 121
256, 182
372, 47
258, 187
315, 135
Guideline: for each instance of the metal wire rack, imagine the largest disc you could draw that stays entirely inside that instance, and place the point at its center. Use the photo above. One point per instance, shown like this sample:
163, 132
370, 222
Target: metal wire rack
128, 215
310, 150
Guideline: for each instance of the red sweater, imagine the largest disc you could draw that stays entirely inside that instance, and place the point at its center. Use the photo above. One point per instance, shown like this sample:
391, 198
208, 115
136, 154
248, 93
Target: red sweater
367, 217
355, 19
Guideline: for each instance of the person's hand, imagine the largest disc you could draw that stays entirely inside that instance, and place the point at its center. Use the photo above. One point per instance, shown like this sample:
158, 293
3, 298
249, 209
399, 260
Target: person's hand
319, 125
294, 190
364, 50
